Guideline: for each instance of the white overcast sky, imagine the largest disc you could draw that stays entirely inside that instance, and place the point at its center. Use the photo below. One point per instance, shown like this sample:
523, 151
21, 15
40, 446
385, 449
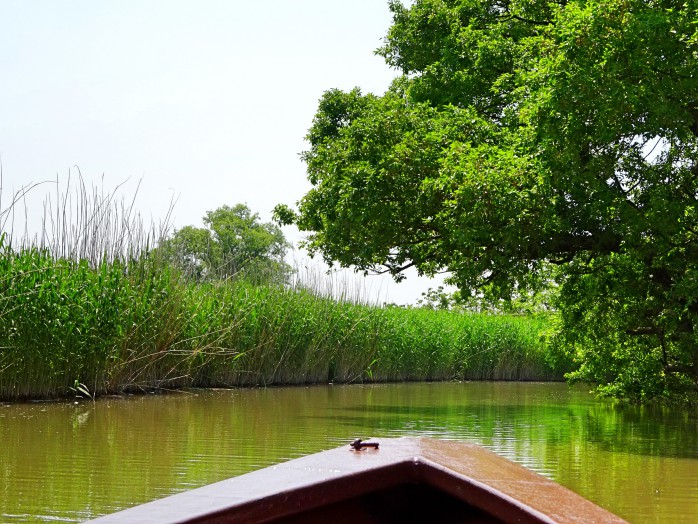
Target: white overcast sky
207, 101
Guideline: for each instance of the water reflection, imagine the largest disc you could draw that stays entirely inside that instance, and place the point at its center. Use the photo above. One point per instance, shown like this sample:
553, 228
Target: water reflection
67, 461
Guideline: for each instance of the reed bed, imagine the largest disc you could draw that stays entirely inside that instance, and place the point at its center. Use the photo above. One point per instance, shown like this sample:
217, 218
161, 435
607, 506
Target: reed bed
118, 327
82, 317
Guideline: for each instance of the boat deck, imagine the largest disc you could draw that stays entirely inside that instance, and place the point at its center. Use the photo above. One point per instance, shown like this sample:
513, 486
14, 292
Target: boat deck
403, 480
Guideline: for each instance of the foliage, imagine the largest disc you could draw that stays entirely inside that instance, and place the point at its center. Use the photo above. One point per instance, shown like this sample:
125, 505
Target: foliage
520, 302
524, 133
233, 242
67, 328
79, 319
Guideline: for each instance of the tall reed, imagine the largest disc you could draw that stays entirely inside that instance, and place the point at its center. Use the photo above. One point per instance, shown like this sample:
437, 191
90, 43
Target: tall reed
88, 305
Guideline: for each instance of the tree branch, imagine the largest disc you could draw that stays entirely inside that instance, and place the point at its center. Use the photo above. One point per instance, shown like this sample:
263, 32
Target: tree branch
393, 270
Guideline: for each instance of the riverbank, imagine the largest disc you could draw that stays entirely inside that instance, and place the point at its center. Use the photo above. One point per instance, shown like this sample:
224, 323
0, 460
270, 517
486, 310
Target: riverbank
68, 328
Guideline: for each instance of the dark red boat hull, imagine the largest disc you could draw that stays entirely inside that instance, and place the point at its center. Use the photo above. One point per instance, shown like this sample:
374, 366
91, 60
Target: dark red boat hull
404, 480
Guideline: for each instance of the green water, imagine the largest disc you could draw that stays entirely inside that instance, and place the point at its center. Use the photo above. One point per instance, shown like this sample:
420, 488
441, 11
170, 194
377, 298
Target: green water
72, 461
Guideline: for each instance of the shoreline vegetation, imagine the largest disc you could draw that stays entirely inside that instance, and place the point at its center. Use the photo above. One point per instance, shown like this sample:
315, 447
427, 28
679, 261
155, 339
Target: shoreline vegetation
90, 308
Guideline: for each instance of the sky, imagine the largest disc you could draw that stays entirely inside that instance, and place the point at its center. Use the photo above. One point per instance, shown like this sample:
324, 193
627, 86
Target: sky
206, 102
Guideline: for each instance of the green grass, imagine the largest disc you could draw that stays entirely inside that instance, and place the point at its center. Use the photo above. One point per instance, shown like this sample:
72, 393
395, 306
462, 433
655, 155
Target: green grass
141, 325
93, 309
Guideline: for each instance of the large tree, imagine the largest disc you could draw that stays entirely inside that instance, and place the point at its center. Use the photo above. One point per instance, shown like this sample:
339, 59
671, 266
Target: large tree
523, 134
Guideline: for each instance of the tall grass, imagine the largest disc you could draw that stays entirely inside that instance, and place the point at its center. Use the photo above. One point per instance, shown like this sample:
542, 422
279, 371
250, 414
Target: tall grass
87, 305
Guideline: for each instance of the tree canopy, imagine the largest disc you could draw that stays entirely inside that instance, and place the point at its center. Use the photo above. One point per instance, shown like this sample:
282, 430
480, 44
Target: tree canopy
233, 242
523, 134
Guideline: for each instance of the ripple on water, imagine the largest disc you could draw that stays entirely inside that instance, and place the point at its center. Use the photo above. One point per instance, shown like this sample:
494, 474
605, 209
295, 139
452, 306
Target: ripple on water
94, 458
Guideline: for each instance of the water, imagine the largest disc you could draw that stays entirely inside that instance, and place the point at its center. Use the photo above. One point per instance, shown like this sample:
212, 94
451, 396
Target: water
72, 461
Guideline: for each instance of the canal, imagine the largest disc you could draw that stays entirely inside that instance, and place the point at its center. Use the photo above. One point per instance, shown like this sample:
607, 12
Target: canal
70, 461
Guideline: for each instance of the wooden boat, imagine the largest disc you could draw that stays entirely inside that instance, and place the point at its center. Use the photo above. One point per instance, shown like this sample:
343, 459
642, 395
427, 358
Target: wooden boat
401, 480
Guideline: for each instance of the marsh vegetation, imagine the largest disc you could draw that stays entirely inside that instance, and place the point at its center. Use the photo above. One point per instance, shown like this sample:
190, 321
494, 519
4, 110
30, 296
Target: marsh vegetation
97, 303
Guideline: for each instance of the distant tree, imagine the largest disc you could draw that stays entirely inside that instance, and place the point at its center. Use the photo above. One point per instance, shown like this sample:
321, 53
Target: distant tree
193, 250
519, 303
523, 134
233, 242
